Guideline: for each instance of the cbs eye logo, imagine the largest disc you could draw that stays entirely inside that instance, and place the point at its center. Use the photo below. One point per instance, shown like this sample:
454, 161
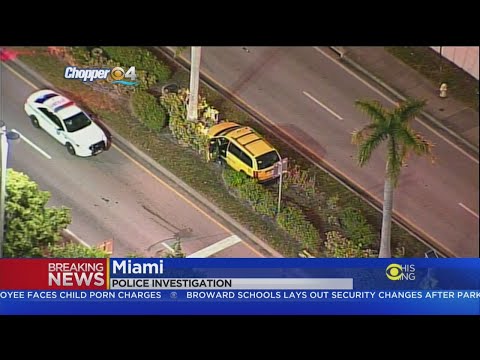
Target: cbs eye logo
118, 75
394, 272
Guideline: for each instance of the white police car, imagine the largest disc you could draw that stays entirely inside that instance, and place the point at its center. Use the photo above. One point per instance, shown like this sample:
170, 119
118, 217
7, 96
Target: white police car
67, 123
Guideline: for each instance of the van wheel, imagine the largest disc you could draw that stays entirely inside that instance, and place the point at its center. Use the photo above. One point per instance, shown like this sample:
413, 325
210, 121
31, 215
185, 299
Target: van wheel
70, 149
35, 122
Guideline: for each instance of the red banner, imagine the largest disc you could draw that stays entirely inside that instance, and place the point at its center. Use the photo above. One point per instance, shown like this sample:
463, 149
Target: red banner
53, 274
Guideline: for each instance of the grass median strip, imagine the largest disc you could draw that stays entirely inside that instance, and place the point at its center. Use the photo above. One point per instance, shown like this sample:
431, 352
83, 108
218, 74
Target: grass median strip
205, 177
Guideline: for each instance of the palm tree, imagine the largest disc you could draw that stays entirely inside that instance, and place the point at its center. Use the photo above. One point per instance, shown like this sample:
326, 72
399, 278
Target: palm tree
393, 127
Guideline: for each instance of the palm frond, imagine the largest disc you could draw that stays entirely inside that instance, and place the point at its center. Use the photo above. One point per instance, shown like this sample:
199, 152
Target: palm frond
358, 136
408, 110
414, 141
369, 144
374, 110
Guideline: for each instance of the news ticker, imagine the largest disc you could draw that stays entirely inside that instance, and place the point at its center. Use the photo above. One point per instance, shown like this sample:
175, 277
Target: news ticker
209, 295
239, 302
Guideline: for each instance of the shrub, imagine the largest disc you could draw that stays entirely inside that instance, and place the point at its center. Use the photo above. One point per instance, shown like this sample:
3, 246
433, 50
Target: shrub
264, 202
356, 227
338, 246
261, 200
234, 179
292, 220
148, 110
300, 178
73, 250
149, 69
188, 132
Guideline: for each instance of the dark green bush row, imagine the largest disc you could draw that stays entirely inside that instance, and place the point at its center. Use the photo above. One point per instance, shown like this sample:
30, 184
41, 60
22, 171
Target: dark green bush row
290, 219
356, 227
261, 200
148, 110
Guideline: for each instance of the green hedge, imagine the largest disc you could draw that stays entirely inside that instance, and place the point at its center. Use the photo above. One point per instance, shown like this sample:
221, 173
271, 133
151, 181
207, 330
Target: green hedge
73, 250
148, 110
261, 200
290, 219
356, 227
188, 132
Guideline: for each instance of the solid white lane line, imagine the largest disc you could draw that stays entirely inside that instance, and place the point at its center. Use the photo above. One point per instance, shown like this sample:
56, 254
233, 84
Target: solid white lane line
366, 83
72, 236
217, 247
469, 210
322, 105
33, 145
168, 247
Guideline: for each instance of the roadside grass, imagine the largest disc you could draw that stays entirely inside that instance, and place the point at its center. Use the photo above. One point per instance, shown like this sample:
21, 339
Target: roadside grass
181, 161
184, 163
461, 85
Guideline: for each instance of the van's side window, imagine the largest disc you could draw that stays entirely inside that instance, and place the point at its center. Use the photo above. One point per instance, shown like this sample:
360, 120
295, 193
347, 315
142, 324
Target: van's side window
246, 159
235, 150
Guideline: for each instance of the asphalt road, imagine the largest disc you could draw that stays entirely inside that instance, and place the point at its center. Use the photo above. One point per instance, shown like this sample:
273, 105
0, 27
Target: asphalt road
111, 196
306, 95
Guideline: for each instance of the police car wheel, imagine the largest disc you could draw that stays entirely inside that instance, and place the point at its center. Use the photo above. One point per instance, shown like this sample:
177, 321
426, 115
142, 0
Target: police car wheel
70, 149
35, 122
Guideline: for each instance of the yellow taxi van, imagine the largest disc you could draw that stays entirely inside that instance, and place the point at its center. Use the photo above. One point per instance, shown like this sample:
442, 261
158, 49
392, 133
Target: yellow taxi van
243, 149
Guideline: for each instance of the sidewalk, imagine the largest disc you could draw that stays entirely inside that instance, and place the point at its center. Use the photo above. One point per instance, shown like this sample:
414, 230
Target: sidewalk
454, 117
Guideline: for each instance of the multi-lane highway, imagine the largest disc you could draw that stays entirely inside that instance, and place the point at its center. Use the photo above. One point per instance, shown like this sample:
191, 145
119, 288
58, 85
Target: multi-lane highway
306, 94
112, 196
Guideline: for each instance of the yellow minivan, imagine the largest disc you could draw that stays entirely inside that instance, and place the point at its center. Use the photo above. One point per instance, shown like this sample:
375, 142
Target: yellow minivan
243, 150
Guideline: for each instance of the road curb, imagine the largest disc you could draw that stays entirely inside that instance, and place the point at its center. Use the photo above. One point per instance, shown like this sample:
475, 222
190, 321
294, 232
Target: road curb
343, 53
33, 73
118, 139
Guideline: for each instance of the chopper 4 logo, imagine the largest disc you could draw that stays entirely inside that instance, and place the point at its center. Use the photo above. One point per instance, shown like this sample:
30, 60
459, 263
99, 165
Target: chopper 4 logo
117, 74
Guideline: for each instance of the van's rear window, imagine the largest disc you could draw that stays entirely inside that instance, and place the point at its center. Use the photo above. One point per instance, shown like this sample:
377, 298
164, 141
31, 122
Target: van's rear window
266, 160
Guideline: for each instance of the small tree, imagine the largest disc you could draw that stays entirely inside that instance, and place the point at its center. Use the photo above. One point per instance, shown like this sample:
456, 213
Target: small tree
31, 226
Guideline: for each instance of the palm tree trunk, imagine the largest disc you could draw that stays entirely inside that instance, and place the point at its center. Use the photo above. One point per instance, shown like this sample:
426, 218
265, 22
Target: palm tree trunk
385, 240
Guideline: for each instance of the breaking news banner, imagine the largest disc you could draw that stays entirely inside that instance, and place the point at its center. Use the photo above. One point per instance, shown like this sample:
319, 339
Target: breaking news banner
239, 286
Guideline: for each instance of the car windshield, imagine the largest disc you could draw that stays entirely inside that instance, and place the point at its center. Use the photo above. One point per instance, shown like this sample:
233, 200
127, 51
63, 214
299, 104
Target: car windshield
77, 122
266, 160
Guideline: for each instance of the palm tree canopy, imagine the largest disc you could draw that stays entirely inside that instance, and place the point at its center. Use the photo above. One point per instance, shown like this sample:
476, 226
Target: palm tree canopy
394, 127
